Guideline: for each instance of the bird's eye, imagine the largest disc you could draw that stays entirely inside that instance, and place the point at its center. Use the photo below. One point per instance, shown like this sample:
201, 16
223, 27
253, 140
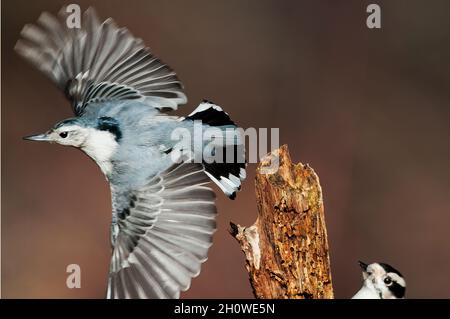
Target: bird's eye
387, 281
63, 134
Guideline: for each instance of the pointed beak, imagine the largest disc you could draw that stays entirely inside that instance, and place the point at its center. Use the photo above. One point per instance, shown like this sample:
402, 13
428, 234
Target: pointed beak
363, 265
38, 137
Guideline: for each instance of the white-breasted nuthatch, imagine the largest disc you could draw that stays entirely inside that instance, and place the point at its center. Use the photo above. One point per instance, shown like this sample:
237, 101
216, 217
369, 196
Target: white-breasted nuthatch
381, 281
163, 214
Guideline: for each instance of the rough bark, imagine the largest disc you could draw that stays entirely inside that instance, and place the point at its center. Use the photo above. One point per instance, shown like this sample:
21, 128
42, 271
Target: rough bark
286, 249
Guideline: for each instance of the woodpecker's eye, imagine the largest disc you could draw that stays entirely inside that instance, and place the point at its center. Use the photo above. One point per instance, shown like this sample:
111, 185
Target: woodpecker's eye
387, 281
63, 134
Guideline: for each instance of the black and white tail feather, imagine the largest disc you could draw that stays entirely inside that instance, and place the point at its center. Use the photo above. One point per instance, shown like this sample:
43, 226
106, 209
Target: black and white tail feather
228, 173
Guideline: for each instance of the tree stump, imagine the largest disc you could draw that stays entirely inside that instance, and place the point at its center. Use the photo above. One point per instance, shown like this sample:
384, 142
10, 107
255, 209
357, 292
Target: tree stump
286, 249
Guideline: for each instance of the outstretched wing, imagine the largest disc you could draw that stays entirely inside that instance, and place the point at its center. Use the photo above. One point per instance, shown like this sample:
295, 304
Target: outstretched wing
98, 62
162, 234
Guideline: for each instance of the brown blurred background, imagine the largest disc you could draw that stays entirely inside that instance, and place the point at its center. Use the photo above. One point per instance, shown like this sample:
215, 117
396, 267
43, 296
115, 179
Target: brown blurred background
368, 109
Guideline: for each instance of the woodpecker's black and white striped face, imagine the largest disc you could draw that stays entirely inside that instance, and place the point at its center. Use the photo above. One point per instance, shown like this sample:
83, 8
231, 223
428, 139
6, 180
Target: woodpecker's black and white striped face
386, 281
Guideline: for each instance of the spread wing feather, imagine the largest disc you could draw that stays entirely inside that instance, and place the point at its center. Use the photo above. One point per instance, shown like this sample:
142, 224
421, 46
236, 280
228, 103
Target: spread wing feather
98, 62
163, 234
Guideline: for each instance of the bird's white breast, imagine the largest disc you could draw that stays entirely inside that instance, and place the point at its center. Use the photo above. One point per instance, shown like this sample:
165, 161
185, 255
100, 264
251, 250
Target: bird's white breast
101, 146
366, 293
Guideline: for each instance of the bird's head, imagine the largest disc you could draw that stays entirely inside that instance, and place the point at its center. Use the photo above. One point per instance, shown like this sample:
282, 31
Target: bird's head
384, 279
70, 132
82, 133
97, 138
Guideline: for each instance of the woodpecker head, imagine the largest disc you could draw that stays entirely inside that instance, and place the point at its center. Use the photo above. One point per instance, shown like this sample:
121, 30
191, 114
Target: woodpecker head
384, 280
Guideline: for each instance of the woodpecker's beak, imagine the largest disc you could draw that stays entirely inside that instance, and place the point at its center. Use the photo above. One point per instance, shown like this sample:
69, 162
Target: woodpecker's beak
38, 137
363, 265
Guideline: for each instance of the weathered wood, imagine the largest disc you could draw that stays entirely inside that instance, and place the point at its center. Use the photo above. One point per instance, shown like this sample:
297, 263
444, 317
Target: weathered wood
286, 249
